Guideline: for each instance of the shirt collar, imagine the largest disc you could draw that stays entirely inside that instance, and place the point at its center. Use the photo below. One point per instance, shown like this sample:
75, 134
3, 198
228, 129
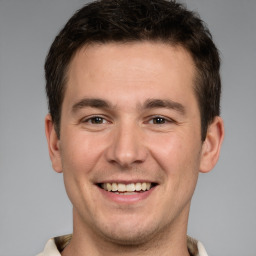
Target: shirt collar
55, 245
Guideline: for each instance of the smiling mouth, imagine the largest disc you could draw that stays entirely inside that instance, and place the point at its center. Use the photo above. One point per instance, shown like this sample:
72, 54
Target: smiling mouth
127, 189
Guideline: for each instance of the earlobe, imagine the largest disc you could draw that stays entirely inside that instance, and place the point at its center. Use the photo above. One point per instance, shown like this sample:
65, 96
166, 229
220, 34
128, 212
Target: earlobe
53, 144
212, 144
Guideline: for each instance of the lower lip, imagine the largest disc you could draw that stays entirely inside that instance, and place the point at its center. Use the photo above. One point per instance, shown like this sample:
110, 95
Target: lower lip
126, 199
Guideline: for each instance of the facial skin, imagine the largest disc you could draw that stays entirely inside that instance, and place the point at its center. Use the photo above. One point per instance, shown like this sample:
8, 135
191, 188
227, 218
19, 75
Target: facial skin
130, 115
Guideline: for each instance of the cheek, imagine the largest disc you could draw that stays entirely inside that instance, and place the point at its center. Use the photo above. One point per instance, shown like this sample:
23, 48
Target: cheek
172, 151
78, 160
80, 152
179, 158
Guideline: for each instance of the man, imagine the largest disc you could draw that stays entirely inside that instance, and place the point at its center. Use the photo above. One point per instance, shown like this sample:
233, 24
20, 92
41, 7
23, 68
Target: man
134, 90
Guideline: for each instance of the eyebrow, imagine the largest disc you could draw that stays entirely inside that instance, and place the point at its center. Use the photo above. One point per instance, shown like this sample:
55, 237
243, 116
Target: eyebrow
148, 104
159, 103
91, 102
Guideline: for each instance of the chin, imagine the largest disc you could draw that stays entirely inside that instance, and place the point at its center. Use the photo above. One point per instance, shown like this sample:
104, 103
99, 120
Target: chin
130, 239
130, 233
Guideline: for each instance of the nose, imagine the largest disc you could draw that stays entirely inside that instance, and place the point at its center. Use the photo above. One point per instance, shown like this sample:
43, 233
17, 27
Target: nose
127, 146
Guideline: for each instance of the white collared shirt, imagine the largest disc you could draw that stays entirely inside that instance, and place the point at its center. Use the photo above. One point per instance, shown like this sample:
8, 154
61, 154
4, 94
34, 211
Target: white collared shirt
195, 247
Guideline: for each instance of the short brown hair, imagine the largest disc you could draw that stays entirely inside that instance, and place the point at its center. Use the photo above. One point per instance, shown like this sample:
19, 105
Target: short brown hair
136, 20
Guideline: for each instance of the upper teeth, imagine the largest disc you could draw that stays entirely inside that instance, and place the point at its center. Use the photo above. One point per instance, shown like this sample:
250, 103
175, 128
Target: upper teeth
120, 187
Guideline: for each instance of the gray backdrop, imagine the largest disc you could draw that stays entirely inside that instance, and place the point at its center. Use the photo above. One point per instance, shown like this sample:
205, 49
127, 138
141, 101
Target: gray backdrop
33, 203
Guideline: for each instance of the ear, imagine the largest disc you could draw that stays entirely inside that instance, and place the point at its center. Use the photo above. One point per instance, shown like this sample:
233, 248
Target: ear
211, 145
53, 144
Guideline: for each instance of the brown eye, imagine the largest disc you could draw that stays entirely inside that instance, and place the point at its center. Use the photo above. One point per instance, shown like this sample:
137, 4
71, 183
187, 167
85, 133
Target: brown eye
97, 120
159, 120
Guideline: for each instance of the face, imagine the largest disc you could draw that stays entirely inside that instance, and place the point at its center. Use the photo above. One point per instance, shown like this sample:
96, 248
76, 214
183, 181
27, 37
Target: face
130, 143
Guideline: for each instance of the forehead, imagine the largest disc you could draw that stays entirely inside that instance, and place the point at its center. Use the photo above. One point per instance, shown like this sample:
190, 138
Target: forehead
144, 51
130, 68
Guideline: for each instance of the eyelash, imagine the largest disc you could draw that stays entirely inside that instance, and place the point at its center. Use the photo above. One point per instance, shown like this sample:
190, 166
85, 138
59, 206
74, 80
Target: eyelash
90, 120
163, 120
